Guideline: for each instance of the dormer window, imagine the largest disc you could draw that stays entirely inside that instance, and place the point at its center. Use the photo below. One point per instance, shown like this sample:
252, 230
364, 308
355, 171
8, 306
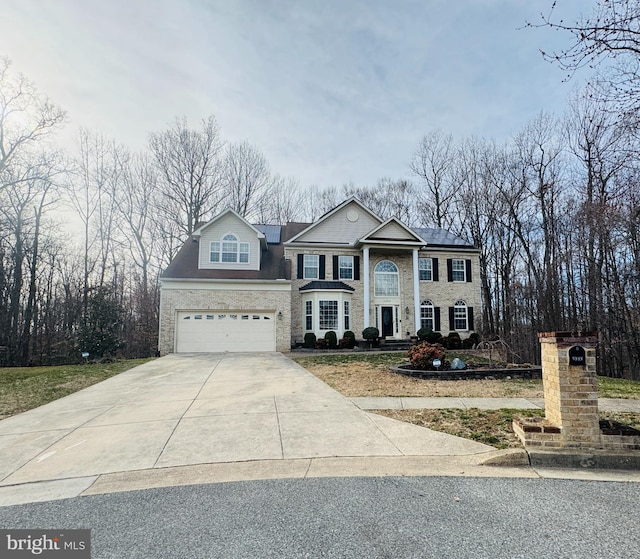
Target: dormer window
229, 250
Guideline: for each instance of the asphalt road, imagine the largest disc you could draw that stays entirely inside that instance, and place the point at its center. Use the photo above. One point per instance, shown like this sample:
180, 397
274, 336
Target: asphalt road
428, 517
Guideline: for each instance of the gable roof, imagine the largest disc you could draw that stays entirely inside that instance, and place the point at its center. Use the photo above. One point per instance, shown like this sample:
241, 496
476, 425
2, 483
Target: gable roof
350, 223
393, 231
272, 263
198, 232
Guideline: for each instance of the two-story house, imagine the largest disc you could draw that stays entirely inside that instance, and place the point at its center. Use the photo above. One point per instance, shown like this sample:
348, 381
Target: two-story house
235, 286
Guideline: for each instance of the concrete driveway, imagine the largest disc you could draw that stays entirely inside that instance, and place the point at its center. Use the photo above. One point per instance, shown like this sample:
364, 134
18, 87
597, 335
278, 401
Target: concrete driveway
210, 417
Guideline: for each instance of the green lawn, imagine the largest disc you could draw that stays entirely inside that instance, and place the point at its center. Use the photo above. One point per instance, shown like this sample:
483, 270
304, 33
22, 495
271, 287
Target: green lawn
25, 388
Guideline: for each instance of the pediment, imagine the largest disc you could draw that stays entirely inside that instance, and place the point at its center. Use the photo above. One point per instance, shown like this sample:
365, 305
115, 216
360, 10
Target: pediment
393, 231
344, 225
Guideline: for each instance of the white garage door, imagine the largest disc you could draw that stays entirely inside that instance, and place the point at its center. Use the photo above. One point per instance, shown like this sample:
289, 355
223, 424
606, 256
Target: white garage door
213, 331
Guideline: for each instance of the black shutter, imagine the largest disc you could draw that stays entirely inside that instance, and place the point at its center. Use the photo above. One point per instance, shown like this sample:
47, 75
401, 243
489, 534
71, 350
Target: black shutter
434, 269
335, 267
436, 317
300, 266
356, 267
468, 264
321, 271
449, 269
451, 319
470, 317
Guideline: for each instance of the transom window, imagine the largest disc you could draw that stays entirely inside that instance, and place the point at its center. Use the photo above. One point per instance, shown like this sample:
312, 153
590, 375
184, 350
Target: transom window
386, 282
458, 270
229, 250
328, 315
427, 315
311, 266
345, 267
425, 266
460, 319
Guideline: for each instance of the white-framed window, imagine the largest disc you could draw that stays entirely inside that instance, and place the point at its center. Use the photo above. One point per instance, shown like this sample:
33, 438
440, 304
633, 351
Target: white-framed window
427, 315
386, 283
460, 315
458, 270
347, 315
308, 315
214, 251
345, 267
328, 315
311, 266
229, 250
425, 267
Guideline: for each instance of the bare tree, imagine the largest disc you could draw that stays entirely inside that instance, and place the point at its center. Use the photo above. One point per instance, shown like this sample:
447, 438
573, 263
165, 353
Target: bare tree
189, 166
26, 117
285, 202
433, 163
610, 34
246, 178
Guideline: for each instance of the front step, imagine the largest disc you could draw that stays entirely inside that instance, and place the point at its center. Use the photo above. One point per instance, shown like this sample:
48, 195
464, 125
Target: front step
395, 345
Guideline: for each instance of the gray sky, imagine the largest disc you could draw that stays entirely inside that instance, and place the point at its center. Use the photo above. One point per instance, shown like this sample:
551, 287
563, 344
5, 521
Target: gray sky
331, 91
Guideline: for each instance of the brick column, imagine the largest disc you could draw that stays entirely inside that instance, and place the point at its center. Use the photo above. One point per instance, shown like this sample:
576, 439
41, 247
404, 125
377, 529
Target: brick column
570, 391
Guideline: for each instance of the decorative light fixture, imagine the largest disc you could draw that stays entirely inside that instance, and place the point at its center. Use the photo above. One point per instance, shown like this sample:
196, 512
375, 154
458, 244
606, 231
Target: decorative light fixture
406, 311
279, 315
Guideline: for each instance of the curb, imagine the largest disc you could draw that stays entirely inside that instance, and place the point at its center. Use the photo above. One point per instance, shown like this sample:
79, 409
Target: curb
592, 460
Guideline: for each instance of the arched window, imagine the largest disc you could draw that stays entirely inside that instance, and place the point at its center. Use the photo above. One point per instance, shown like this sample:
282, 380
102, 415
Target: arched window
427, 315
386, 282
460, 316
229, 250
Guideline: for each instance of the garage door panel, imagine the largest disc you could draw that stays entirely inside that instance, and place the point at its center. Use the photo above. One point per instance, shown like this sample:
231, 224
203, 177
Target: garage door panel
213, 331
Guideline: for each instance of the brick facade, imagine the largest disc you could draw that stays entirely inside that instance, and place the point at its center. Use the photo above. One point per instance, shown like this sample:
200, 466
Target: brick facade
253, 297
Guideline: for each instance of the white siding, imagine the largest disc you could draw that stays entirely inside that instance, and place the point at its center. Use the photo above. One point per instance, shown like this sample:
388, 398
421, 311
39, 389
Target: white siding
229, 223
338, 229
393, 231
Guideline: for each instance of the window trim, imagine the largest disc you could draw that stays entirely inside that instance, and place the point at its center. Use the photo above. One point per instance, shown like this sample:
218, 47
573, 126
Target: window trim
350, 268
331, 304
458, 306
221, 254
390, 274
463, 270
305, 266
347, 314
428, 269
426, 305
308, 316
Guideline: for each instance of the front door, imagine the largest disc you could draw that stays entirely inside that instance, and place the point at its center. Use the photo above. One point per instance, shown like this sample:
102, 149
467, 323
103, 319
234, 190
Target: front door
387, 322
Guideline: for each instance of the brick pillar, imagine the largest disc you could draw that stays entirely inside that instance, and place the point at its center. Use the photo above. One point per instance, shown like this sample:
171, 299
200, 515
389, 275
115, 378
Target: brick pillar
570, 391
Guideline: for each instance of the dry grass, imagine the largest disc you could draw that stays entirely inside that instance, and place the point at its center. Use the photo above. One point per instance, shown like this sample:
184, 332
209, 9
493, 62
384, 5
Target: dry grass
492, 427
369, 375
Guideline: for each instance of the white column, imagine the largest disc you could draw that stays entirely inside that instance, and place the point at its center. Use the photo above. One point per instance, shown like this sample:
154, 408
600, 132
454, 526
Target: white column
416, 290
365, 272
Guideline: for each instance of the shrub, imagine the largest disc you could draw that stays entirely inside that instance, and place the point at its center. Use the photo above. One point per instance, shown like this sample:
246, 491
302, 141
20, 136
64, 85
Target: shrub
371, 333
349, 340
332, 339
322, 344
310, 340
422, 355
423, 333
475, 338
428, 335
452, 341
